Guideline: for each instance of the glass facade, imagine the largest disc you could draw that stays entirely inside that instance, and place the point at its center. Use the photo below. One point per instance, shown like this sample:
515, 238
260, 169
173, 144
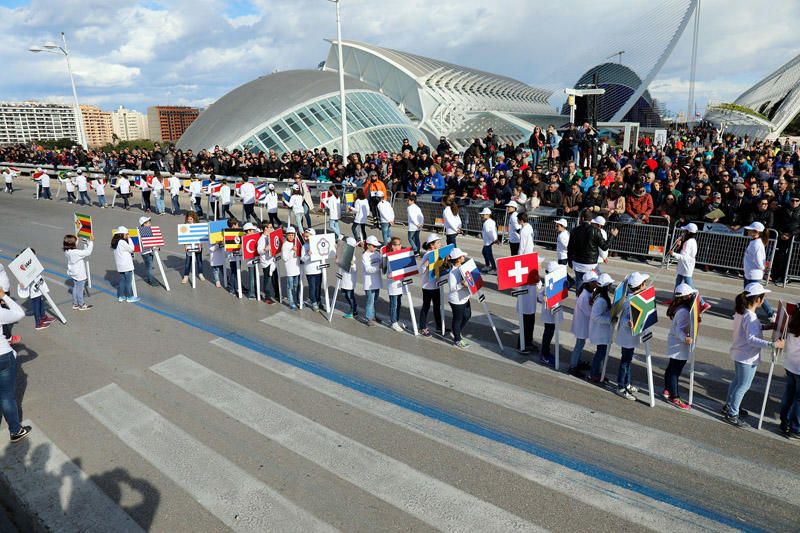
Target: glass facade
373, 123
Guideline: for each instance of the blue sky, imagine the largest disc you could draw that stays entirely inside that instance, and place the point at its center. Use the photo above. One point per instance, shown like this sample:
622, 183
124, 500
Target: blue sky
138, 54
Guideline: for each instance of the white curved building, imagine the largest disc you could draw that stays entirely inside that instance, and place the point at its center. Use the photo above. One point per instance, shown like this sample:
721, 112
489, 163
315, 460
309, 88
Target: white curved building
766, 108
444, 99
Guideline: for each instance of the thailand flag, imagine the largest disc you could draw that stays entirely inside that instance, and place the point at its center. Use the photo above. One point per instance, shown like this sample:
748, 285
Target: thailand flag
402, 264
556, 289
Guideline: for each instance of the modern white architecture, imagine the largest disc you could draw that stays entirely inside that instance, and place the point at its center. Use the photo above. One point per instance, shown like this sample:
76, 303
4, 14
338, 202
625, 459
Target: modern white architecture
129, 125
23, 122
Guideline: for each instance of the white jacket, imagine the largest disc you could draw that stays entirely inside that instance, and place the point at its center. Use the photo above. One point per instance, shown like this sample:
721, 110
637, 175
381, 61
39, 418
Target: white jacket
625, 337
310, 267
583, 312
452, 222
13, 314
174, 185
513, 228
526, 303
791, 354
80, 181
371, 265
296, 204
76, 261
562, 242
600, 322
99, 187
489, 232
350, 278
755, 258
124, 185
45, 180
5, 283
386, 212
361, 208
123, 257
334, 206
526, 239
415, 217
216, 254
458, 294
247, 192
263, 249
678, 331
290, 260
686, 258
747, 340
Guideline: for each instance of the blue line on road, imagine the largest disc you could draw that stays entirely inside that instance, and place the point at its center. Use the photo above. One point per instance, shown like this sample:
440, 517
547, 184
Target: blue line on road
406, 402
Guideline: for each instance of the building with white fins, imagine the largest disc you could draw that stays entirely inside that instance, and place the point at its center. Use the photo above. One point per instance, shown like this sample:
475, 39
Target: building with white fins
766, 109
443, 99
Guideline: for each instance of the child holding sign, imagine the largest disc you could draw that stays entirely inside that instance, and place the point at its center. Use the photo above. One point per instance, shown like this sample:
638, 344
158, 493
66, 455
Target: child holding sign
679, 342
459, 298
790, 404
395, 290
76, 268
123, 259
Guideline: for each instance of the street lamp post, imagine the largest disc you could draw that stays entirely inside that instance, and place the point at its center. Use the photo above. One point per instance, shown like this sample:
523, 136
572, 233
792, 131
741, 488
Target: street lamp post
53, 48
345, 147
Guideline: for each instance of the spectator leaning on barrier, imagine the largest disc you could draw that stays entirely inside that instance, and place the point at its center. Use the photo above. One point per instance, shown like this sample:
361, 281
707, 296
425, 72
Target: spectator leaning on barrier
639, 206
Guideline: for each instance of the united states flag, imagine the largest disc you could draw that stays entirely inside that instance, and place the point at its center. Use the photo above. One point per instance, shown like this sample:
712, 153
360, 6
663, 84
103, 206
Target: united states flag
151, 237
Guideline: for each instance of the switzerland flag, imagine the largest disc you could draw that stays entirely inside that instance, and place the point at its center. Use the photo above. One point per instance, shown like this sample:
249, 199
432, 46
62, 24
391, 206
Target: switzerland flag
517, 270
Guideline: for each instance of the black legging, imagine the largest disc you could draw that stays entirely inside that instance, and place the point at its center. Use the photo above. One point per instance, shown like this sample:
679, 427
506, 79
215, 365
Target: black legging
430, 296
528, 322
146, 200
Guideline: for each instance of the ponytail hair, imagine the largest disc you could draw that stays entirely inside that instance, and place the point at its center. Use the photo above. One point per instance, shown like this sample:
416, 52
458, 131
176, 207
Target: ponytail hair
794, 324
743, 302
600, 292
115, 240
680, 302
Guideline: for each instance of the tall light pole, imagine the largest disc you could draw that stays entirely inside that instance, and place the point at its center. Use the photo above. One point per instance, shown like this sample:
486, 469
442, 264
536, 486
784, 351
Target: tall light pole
345, 147
693, 69
53, 48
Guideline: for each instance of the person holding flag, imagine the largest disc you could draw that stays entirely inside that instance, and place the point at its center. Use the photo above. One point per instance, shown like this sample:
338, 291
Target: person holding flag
174, 184
124, 187
271, 199
679, 342
371, 262
123, 259
580, 324
550, 319
627, 341
296, 205
513, 227
360, 210
755, 261
458, 298
311, 268
250, 229
334, 206
526, 307
148, 256
99, 186
790, 403
224, 195
349, 280
395, 289
158, 193
490, 237
291, 262
196, 249
600, 325
231, 256
430, 288
386, 215
415, 220
267, 264
76, 268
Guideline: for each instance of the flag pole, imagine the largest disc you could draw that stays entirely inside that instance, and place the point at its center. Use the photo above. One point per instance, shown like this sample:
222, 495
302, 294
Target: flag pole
46, 293
411, 309
769, 383
441, 305
482, 300
258, 279
650, 373
521, 320
161, 269
239, 277
335, 295
325, 287
194, 269
558, 341
691, 375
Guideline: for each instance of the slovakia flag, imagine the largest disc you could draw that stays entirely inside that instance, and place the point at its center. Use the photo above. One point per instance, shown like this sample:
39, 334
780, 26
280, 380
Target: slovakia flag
556, 289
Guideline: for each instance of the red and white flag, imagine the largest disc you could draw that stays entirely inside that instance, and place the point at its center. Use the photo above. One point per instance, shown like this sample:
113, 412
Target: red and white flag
517, 270
250, 246
151, 237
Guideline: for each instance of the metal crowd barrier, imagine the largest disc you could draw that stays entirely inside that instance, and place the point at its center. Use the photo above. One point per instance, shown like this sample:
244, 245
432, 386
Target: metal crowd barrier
726, 250
433, 213
792, 271
649, 240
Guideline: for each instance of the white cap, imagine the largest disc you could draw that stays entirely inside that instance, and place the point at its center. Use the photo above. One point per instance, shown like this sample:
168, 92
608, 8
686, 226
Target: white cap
39, 169
590, 276
691, 227
513, 204
604, 280
142, 220
755, 289
637, 278
756, 226
562, 222
600, 221
552, 266
79, 171
249, 226
291, 229
310, 231
379, 194
456, 253
433, 237
271, 187
122, 229
295, 187
486, 211
373, 240
352, 242
684, 289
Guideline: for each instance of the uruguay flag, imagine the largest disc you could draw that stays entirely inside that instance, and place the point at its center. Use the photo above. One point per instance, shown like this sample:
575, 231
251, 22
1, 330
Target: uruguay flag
556, 289
402, 264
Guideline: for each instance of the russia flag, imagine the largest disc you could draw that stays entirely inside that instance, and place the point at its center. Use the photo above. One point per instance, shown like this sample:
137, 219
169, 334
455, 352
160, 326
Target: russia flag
556, 289
402, 264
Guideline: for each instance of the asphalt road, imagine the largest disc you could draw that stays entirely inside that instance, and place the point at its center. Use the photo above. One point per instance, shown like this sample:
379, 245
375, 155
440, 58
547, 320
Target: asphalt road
193, 410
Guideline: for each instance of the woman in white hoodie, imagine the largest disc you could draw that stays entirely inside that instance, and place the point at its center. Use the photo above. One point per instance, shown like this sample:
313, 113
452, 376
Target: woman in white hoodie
123, 259
76, 268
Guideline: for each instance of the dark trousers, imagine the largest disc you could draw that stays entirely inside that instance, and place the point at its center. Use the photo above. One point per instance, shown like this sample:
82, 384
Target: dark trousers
671, 376
461, 315
790, 405
488, 257
226, 211
274, 220
430, 296
314, 287
146, 200
266, 286
528, 321
547, 338
350, 296
514, 248
451, 239
249, 212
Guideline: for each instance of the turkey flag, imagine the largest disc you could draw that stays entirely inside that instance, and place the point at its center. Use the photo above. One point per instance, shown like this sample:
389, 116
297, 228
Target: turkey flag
250, 246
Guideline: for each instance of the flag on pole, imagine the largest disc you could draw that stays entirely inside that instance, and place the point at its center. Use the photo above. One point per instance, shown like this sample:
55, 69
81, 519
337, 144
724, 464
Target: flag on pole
350, 199
619, 299
323, 196
517, 270
215, 230
192, 233
556, 288
135, 241
233, 239
783, 313
275, 242
402, 264
694, 318
436, 262
250, 246
151, 237
643, 311
472, 275
261, 190
83, 225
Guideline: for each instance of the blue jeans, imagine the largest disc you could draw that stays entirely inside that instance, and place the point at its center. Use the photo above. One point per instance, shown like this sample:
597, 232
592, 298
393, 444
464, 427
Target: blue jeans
314, 287
624, 372
84, 198
293, 290
575, 358
394, 308
101, 200
8, 391
386, 232
413, 240
125, 286
742, 379
451, 239
790, 405
578, 280
176, 204
307, 214
350, 296
298, 222
687, 280
37, 305
187, 263
488, 257
597, 360
359, 231
216, 273
334, 224
78, 286
160, 202
148, 266
765, 306
372, 295
671, 376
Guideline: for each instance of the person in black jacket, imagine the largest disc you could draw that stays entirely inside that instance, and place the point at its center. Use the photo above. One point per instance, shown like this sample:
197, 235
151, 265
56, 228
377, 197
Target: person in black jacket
585, 243
788, 226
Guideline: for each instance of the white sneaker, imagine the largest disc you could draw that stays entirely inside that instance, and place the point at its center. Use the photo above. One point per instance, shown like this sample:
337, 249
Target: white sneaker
202, 278
625, 394
632, 389
397, 327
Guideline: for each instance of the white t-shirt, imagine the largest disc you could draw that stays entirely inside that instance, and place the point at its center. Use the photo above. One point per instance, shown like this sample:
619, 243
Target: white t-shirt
415, 217
361, 207
248, 193
489, 232
334, 207
76, 261
562, 242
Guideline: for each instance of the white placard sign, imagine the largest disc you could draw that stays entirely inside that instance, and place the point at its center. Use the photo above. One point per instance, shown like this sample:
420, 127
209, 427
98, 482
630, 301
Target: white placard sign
321, 246
26, 267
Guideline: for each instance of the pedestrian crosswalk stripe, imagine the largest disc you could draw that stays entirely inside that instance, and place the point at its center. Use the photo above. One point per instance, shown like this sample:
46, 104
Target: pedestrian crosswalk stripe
623, 503
237, 499
430, 500
55, 491
589, 422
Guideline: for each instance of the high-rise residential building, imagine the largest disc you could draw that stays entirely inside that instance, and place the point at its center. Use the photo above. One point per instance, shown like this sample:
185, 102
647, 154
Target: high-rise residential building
22, 122
96, 125
129, 125
167, 123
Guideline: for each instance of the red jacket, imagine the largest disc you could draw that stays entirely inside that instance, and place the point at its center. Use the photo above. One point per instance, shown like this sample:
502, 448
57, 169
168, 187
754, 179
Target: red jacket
639, 205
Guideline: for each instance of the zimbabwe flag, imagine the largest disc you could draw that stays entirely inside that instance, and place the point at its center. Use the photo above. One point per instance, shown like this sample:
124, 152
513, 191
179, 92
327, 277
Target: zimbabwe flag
233, 239
83, 225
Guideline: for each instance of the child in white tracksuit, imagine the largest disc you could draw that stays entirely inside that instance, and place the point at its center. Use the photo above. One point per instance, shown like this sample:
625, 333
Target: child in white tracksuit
580, 322
349, 281
550, 320
77, 268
